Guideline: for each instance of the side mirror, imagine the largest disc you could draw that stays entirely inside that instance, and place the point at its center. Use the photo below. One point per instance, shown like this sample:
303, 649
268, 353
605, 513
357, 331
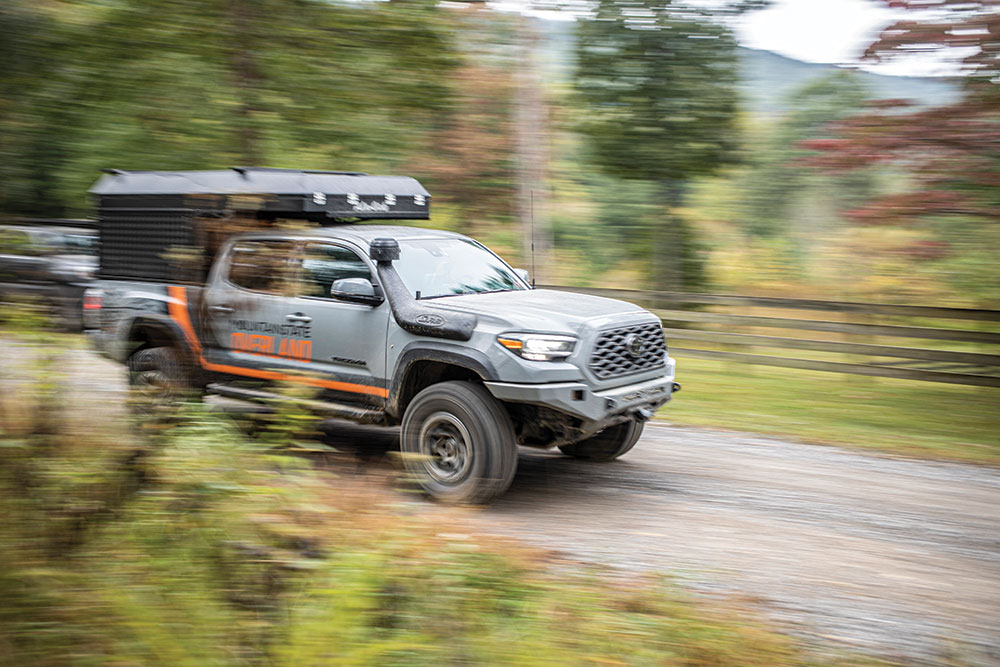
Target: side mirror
357, 290
523, 275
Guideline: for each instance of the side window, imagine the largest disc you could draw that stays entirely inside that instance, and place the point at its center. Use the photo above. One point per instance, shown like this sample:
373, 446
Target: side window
324, 264
262, 266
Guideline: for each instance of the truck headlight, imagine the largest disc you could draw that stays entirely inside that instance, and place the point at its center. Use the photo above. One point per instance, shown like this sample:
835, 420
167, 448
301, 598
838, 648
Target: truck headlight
538, 347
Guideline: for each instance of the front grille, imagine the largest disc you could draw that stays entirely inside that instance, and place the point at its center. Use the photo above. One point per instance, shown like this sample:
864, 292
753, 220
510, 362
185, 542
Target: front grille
611, 357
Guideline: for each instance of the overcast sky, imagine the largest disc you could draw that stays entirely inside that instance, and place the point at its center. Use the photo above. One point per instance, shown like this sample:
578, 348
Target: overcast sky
822, 31
819, 31
830, 31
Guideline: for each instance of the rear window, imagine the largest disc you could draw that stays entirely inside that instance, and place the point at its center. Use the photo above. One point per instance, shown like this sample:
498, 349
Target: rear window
78, 243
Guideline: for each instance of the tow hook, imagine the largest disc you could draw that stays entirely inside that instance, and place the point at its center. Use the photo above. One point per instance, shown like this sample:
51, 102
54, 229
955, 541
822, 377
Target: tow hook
644, 414
675, 387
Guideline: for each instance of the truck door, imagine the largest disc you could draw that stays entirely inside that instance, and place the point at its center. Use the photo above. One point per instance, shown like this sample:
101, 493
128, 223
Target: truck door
349, 339
252, 329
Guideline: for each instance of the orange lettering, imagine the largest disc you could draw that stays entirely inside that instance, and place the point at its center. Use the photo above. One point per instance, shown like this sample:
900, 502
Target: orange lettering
237, 341
260, 344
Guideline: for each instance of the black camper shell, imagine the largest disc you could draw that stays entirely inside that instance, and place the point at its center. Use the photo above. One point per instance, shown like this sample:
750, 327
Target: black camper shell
148, 220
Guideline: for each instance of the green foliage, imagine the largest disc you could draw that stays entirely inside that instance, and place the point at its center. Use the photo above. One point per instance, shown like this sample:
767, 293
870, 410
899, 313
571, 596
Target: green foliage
657, 90
208, 83
180, 540
656, 87
773, 183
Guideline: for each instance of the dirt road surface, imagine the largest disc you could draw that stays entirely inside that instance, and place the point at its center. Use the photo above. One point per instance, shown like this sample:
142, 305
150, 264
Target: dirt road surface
846, 549
858, 552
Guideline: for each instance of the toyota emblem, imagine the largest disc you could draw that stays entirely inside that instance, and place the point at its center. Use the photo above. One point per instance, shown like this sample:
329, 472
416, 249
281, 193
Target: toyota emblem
634, 345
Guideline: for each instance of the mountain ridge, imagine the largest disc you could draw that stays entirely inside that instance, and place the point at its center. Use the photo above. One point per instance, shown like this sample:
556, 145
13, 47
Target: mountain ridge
766, 78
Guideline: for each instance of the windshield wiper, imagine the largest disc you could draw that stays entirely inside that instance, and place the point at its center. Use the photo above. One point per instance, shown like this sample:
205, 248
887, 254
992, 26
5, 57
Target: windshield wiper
440, 296
489, 291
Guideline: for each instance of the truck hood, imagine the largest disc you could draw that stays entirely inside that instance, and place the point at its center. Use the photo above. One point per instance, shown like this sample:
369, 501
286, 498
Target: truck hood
541, 310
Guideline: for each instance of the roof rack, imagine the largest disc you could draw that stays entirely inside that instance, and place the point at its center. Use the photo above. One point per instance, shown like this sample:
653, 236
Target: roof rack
242, 170
313, 194
145, 214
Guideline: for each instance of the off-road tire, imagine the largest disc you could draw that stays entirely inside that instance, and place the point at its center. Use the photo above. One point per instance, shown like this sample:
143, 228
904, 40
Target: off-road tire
607, 445
157, 378
458, 443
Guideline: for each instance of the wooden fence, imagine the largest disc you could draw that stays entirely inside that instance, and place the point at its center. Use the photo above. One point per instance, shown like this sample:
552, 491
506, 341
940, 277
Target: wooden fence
959, 354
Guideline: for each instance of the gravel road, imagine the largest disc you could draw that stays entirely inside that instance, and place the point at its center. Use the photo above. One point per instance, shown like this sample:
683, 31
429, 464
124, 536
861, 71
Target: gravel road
889, 556
846, 549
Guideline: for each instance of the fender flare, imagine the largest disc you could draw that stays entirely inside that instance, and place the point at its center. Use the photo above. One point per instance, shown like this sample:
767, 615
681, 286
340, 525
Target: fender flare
447, 353
156, 321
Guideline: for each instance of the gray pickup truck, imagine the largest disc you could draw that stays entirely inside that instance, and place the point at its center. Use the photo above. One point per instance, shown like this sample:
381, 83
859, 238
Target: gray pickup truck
393, 325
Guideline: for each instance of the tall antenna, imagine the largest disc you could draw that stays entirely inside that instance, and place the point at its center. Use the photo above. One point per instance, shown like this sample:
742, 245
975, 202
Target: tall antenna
531, 208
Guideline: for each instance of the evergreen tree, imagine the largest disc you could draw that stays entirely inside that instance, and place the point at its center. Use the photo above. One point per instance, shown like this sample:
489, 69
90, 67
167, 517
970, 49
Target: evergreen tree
657, 84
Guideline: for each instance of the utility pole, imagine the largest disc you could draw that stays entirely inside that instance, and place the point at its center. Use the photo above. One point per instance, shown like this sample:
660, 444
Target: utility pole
531, 126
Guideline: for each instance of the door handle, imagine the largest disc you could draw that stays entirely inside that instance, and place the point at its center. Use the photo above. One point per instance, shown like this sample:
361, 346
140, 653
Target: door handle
220, 309
298, 317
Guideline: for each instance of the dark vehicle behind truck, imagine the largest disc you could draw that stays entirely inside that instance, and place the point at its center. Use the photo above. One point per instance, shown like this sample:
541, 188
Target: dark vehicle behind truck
229, 281
51, 261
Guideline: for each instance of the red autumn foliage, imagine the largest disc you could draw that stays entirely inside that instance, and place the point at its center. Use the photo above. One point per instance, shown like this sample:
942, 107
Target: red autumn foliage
952, 153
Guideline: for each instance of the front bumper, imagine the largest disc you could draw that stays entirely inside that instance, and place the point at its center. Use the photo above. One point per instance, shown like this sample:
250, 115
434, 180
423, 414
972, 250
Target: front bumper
579, 400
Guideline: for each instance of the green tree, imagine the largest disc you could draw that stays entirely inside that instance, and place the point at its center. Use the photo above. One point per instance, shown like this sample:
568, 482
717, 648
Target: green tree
657, 86
170, 84
36, 124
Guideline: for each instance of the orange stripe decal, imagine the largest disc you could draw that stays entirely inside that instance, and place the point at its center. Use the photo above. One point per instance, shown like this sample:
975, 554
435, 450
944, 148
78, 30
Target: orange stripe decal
316, 382
177, 307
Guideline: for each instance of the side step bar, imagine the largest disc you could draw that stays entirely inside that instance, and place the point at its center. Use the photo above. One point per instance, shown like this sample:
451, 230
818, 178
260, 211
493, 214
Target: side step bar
352, 413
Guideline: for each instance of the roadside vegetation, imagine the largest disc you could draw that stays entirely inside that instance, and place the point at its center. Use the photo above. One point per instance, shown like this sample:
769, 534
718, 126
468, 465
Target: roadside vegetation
922, 419
191, 538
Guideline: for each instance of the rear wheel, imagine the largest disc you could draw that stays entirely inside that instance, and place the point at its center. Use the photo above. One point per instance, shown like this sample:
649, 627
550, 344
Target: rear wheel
607, 445
156, 376
458, 442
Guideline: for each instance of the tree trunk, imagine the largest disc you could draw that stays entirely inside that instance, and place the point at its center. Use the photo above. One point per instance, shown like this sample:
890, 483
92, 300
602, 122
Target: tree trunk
669, 242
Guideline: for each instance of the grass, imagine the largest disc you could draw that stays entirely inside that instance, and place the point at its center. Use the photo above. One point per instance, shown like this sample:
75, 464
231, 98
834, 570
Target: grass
922, 419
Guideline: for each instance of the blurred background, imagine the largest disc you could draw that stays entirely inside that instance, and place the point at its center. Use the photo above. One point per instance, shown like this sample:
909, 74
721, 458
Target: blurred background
823, 172
701, 146
834, 163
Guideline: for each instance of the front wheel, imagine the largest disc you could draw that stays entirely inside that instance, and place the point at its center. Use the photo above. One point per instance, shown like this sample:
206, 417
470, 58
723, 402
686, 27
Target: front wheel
458, 442
608, 444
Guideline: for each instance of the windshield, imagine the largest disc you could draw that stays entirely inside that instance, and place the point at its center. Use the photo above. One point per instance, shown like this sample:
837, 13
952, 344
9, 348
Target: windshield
448, 267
